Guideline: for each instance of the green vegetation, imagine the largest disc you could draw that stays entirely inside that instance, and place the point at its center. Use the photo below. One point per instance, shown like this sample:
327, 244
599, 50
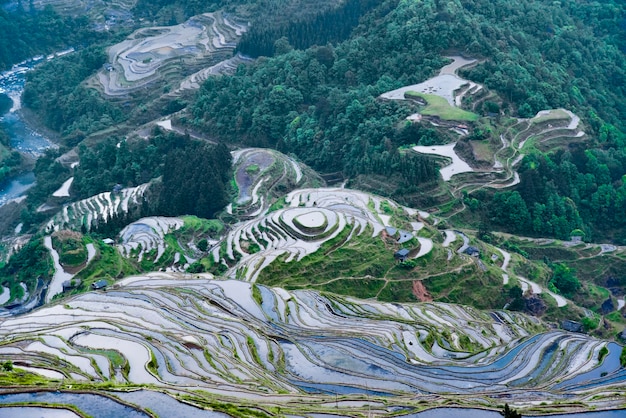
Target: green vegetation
278, 204
590, 323
564, 281
256, 294
355, 260
602, 353
555, 196
71, 248
510, 413
203, 245
5, 104
15, 376
200, 226
30, 263
152, 365
64, 103
233, 410
108, 263
438, 106
252, 169
24, 34
253, 350
195, 180
10, 161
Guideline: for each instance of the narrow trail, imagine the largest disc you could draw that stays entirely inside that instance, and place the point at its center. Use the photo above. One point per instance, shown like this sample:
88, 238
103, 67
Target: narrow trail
525, 283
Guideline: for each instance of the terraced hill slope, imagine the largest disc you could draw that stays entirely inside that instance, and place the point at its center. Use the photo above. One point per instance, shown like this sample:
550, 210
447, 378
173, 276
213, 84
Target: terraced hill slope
239, 340
195, 48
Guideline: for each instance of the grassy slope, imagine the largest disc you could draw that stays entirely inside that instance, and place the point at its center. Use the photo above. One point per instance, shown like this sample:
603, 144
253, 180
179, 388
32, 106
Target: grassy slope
364, 267
438, 106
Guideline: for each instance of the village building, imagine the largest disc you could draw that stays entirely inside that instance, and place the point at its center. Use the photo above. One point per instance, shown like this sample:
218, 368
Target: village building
401, 255
100, 284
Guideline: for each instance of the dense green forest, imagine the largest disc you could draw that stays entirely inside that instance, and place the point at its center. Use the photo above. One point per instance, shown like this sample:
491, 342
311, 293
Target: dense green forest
332, 24
563, 191
26, 33
57, 93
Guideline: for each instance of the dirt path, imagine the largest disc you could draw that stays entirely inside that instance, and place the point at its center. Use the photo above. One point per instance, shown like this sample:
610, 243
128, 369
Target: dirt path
420, 292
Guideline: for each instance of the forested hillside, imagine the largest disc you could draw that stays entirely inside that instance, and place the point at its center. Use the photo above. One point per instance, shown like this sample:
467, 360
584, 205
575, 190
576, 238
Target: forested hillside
321, 103
24, 34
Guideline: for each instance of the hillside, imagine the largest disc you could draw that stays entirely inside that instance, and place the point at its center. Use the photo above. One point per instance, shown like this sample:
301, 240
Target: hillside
350, 208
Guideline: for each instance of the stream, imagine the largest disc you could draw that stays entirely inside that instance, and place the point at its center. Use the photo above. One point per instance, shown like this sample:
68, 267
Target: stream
23, 138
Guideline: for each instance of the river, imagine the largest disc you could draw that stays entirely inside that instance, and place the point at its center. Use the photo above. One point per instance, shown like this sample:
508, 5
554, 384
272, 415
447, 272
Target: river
23, 138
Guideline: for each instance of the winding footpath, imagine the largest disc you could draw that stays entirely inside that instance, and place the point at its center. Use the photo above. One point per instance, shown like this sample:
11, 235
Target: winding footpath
527, 284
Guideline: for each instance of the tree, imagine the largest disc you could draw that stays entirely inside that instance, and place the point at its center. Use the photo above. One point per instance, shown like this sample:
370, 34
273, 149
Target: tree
510, 413
194, 180
517, 302
564, 280
203, 244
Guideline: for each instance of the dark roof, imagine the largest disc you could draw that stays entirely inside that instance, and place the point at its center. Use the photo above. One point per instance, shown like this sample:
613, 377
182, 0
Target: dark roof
472, 250
402, 253
572, 326
99, 284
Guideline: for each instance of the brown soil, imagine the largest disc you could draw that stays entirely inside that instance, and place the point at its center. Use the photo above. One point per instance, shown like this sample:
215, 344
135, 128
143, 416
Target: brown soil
420, 292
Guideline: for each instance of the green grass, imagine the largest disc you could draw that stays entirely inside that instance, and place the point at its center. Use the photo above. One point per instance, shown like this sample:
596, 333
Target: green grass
279, 204
152, 365
397, 291
362, 256
72, 250
22, 378
253, 350
256, 294
438, 106
555, 114
108, 263
363, 288
200, 225
252, 169
115, 357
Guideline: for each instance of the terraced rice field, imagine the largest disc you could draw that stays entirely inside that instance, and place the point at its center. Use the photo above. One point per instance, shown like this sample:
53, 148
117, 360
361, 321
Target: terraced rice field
444, 95
240, 339
258, 171
447, 84
456, 166
99, 207
314, 216
147, 235
148, 54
